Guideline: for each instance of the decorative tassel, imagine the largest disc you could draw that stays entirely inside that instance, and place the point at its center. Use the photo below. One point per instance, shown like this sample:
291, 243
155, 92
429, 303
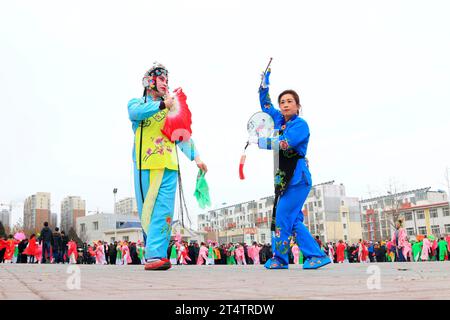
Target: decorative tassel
241, 167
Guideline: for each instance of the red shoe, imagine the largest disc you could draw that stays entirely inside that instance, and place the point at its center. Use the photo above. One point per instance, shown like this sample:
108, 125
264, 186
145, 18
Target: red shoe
160, 264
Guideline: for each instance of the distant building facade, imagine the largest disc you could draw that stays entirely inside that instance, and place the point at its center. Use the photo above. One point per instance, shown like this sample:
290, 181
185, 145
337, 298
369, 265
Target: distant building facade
423, 211
328, 213
36, 211
92, 227
72, 208
126, 207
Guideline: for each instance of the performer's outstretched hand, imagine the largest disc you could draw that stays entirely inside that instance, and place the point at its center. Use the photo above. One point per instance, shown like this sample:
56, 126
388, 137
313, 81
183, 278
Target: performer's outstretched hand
265, 78
168, 102
201, 165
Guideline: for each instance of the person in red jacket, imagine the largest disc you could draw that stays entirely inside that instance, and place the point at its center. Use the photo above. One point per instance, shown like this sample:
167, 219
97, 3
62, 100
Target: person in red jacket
340, 251
10, 245
31, 249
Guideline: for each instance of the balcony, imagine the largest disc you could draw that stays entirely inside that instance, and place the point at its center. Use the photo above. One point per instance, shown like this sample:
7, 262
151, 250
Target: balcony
231, 225
261, 220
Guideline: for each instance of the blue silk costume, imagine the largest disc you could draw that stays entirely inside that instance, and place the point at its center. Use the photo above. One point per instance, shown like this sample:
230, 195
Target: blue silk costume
289, 215
159, 197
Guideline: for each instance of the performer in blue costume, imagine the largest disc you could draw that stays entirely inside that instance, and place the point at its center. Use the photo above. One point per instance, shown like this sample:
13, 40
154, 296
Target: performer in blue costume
156, 165
292, 179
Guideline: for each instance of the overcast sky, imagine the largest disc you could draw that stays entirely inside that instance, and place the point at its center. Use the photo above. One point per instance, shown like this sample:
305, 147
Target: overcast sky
373, 79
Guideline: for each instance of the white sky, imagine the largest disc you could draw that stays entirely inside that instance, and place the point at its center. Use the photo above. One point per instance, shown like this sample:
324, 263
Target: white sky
373, 79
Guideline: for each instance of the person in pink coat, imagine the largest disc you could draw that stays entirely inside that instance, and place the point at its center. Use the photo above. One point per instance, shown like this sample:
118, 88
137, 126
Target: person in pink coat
183, 256
126, 254
363, 253
38, 255
295, 252
202, 254
253, 253
399, 241
99, 253
331, 252
407, 251
240, 255
447, 238
426, 247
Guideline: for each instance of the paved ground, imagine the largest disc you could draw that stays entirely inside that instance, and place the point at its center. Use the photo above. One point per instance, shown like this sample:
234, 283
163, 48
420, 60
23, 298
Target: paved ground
429, 280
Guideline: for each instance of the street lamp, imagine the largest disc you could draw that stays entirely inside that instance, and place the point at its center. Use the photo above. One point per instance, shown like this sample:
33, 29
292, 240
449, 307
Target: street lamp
115, 214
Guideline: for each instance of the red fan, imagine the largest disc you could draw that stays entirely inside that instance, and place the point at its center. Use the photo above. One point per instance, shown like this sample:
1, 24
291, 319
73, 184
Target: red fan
178, 122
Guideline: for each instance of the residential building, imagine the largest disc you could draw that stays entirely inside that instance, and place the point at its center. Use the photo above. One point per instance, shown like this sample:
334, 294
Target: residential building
5, 217
127, 207
423, 211
53, 223
332, 215
328, 212
72, 207
36, 211
92, 227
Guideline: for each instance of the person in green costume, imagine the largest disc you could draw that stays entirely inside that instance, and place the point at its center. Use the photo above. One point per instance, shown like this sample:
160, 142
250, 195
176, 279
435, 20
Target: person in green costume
417, 250
141, 252
442, 247
211, 255
173, 253
119, 260
230, 254
16, 254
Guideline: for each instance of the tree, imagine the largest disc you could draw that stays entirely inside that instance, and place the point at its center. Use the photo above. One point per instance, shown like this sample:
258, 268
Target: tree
18, 226
73, 236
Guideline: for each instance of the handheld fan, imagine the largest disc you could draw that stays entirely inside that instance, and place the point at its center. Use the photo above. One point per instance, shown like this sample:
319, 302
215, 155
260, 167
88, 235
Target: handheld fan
260, 125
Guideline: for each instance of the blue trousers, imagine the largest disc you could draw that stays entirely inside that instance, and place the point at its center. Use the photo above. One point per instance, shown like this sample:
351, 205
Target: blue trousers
46, 245
289, 220
156, 224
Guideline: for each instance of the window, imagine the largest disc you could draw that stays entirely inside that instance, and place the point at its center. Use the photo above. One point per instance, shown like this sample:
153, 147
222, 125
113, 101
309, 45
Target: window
344, 214
447, 228
446, 212
310, 206
364, 208
410, 231
433, 213
420, 214
408, 216
421, 196
345, 226
125, 238
435, 230
113, 239
319, 204
342, 203
95, 224
260, 205
83, 227
345, 238
263, 238
422, 230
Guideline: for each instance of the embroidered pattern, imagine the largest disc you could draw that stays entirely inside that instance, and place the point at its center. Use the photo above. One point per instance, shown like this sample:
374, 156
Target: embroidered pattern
160, 147
280, 179
167, 228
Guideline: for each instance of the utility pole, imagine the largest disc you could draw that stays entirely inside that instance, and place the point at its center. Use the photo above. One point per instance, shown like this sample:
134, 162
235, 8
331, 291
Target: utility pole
115, 214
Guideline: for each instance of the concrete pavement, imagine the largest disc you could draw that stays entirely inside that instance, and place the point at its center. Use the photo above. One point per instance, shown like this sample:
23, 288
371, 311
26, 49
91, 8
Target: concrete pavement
426, 280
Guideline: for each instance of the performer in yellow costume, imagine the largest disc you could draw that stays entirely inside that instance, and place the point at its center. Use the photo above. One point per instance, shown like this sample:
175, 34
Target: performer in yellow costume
156, 165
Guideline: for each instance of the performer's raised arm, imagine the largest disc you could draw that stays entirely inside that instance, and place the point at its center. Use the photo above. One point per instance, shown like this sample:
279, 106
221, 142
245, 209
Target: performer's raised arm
265, 101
